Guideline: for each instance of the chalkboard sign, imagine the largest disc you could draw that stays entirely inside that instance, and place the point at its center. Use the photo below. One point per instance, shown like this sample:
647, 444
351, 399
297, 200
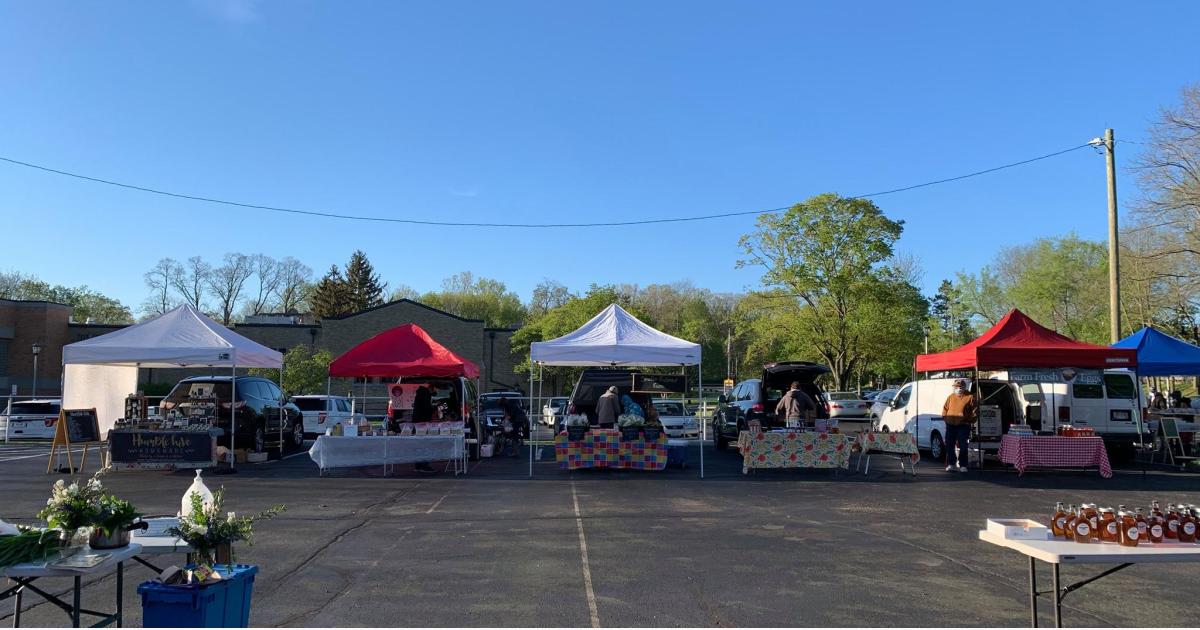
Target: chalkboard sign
185, 449
81, 425
659, 383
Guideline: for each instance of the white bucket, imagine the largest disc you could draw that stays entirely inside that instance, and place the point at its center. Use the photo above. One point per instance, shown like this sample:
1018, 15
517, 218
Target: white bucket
485, 450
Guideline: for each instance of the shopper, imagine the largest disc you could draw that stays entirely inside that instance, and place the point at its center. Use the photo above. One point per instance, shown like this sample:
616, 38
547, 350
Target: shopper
796, 407
513, 425
608, 408
422, 412
959, 412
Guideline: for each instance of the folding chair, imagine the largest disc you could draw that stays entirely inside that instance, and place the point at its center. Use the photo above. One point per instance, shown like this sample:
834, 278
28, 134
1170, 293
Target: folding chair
1171, 438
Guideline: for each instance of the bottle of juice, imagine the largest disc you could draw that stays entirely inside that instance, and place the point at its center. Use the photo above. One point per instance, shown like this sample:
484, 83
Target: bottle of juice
1142, 523
1172, 518
1069, 523
1093, 516
1057, 520
1156, 511
1109, 527
1158, 530
1128, 533
1083, 529
1187, 525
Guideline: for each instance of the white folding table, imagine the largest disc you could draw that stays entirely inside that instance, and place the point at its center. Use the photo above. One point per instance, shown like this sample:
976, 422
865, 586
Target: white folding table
1061, 551
26, 573
335, 451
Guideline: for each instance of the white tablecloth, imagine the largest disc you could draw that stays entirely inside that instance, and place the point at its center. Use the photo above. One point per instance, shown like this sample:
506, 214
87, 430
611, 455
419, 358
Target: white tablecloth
332, 451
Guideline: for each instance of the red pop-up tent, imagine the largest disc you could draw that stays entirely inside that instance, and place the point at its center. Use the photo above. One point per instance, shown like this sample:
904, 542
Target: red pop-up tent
1018, 341
402, 351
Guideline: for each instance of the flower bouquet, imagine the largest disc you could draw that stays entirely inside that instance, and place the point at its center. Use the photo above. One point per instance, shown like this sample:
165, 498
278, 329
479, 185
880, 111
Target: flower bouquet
72, 507
211, 533
631, 426
114, 519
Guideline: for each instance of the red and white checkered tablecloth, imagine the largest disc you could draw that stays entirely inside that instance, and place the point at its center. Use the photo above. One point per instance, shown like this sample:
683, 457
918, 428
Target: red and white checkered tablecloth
1055, 452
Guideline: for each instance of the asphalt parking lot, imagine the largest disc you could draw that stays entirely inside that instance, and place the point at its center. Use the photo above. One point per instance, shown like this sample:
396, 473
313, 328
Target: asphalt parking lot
494, 548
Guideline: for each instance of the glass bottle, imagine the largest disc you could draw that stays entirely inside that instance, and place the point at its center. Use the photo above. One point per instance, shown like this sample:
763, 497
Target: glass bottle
1172, 518
1143, 525
1057, 520
1157, 531
1187, 525
1069, 523
1128, 529
1093, 516
1109, 527
1083, 529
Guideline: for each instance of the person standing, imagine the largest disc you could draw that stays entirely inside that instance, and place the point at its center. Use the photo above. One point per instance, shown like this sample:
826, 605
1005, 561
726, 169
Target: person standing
422, 412
608, 408
959, 412
513, 425
796, 407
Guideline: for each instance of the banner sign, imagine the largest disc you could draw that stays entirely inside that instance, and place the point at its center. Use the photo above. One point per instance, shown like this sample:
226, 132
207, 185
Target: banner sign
990, 422
659, 383
182, 449
1056, 375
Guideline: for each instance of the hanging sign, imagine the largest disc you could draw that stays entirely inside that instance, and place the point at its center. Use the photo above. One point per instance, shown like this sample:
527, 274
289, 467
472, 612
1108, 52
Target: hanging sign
659, 384
162, 449
1056, 375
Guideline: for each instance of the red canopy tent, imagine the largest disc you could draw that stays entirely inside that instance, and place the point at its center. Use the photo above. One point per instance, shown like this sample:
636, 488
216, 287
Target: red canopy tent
1018, 341
402, 351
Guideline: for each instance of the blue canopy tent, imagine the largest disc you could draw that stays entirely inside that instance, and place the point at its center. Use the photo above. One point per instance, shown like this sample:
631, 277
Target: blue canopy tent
1160, 354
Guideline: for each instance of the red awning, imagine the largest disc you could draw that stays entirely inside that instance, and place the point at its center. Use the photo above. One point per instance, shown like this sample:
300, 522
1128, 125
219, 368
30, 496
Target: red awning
1018, 341
402, 351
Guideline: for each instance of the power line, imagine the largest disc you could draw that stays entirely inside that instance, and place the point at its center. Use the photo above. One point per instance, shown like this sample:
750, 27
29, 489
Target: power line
351, 217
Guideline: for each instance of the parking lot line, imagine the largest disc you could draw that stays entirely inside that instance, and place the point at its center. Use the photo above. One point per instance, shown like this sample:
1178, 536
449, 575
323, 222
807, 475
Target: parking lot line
44, 453
593, 613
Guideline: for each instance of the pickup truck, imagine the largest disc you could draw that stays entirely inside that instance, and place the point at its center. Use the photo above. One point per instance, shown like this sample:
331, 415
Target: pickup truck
322, 412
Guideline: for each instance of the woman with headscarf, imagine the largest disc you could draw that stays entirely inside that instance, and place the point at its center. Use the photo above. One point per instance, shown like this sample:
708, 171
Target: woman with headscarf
608, 408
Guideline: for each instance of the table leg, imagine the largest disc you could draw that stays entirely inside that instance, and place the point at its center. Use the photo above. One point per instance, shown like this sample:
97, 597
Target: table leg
120, 594
1033, 619
75, 600
17, 607
1057, 594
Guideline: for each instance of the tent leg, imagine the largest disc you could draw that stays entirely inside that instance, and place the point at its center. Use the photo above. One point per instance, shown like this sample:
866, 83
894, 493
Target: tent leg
531, 424
703, 430
282, 411
233, 417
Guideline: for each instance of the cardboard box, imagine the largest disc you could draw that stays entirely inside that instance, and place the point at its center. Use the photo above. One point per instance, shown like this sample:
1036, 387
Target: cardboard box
1018, 528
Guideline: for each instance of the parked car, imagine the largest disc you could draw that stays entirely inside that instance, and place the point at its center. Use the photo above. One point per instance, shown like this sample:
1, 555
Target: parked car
322, 412
675, 419
490, 410
30, 419
554, 410
755, 399
917, 408
593, 382
881, 401
263, 424
846, 405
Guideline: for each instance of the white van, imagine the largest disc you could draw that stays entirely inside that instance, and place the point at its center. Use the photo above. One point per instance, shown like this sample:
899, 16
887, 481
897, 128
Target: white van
1109, 407
322, 412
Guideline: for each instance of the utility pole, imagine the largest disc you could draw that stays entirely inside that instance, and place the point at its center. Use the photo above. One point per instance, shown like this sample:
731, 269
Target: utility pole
729, 353
1114, 254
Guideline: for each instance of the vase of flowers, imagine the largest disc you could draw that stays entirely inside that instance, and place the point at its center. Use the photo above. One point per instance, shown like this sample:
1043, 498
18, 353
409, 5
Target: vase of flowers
71, 508
631, 426
114, 519
211, 532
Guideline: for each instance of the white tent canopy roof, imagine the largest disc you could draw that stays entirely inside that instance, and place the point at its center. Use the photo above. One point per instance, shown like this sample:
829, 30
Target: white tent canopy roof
180, 337
614, 337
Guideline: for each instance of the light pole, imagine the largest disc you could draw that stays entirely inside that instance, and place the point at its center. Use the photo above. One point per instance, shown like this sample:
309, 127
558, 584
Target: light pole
925, 329
37, 349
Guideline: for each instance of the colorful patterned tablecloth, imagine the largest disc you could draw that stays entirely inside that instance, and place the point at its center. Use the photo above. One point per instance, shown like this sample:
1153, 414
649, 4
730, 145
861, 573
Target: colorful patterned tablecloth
895, 443
793, 449
604, 448
1055, 452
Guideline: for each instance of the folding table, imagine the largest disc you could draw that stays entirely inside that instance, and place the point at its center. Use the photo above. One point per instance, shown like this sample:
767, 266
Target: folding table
26, 573
1061, 551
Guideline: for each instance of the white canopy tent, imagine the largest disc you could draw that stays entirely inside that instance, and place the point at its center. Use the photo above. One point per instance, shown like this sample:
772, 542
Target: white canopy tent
614, 338
101, 371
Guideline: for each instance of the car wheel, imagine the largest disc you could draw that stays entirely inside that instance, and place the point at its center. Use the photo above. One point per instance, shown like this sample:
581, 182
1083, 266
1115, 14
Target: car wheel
297, 437
937, 447
884, 429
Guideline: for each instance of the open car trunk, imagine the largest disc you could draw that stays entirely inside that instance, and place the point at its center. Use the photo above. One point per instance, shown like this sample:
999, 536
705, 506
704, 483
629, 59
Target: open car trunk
778, 378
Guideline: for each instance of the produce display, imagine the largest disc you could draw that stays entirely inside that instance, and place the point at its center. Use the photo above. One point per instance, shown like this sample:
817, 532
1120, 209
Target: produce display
1087, 523
28, 545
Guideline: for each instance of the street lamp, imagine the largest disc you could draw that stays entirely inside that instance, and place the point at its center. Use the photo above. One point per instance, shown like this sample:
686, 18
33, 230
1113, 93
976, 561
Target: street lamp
37, 349
925, 329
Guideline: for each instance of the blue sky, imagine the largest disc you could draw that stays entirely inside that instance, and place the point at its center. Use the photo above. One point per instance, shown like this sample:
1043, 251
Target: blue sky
559, 112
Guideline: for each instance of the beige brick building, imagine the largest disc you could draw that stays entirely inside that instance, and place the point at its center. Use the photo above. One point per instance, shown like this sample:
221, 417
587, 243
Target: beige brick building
23, 323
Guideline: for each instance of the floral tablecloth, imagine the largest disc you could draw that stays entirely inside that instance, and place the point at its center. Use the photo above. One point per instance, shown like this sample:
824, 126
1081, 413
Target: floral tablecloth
604, 448
895, 443
793, 449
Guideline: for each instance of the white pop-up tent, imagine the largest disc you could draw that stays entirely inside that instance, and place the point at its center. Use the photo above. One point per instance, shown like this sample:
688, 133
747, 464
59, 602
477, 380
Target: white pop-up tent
101, 371
614, 338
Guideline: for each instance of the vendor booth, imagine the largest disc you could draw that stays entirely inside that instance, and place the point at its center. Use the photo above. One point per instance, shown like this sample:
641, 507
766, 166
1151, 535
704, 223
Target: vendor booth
405, 352
613, 338
102, 374
1160, 354
1032, 353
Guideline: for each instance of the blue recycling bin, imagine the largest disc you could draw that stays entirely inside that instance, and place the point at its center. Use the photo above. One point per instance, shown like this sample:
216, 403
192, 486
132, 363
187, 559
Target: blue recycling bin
677, 453
225, 604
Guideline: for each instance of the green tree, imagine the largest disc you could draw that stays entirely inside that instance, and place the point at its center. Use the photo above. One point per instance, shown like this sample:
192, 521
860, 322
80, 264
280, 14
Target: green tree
467, 296
363, 287
305, 371
330, 297
827, 257
86, 304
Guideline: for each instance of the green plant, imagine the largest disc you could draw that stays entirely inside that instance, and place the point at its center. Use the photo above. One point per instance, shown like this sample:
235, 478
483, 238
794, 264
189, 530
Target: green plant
74, 506
28, 545
205, 528
630, 420
113, 514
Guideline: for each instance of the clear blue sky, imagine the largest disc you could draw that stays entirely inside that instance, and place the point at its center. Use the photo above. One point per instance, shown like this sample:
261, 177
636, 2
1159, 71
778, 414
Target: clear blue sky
559, 111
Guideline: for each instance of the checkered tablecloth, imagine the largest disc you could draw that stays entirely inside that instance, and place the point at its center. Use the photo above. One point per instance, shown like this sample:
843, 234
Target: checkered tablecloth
604, 448
1046, 451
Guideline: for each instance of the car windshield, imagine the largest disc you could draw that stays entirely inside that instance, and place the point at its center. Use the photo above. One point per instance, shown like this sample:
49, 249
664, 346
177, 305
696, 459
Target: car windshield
34, 409
310, 404
492, 403
669, 409
843, 396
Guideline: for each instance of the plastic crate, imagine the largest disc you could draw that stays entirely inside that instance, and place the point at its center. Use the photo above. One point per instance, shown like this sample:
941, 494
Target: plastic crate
677, 453
225, 604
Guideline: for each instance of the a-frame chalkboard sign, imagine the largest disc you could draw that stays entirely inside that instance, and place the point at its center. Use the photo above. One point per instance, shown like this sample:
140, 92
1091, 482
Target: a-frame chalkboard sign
75, 426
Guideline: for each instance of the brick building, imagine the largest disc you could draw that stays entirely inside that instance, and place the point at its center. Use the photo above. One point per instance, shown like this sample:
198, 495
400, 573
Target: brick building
23, 323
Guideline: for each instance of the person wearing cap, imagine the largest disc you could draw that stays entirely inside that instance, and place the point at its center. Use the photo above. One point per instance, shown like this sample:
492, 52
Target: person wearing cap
959, 412
608, 408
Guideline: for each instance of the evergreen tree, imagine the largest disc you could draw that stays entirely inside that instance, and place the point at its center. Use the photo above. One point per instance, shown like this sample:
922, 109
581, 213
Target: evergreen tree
363, 288
331, 297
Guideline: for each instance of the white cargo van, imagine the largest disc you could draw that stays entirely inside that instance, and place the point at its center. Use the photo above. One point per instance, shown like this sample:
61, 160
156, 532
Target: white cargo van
917, 408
